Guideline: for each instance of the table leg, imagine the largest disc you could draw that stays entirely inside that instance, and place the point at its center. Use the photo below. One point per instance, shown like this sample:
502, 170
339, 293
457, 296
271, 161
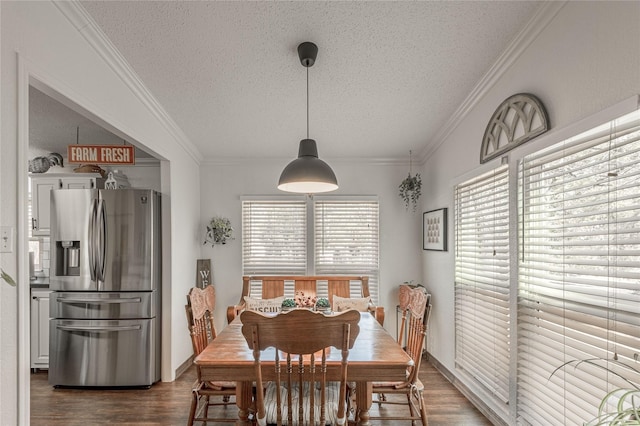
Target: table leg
244, 398
364, 392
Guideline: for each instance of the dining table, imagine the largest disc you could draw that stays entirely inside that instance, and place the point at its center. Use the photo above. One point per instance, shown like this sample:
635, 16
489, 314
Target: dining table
375, 356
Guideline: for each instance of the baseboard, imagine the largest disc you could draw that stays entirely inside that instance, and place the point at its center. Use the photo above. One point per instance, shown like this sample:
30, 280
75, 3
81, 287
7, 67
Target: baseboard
184, 366
486, 411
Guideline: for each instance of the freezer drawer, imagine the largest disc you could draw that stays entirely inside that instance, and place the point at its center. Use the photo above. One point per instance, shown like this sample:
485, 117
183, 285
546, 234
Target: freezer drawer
102, 305
106, 353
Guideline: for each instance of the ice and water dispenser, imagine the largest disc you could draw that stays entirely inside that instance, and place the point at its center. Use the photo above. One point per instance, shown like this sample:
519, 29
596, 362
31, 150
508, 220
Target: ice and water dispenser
67, 258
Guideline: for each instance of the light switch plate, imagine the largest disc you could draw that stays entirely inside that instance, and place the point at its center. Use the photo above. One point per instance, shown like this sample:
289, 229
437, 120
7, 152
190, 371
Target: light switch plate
6, 239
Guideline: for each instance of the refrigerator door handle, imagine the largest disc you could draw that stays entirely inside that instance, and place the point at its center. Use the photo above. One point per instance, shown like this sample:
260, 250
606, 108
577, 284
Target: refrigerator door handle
92, 239
99, 301
98, 329
101, 223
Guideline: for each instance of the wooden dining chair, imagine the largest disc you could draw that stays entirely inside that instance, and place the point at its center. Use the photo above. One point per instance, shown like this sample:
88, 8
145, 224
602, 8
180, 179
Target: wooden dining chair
199, 308
417, 306
301, 393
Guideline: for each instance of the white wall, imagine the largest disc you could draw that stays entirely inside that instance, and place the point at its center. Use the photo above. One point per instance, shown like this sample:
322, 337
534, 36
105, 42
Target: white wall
400, 230
40, 44
585, 60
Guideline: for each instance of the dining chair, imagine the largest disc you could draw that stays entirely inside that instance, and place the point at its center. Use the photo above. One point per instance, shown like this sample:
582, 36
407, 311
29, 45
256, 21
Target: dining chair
417, 309
301, 393
199, 308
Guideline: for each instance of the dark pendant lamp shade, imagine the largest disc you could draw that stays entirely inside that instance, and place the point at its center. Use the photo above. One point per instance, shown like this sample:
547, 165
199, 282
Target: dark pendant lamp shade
307, 174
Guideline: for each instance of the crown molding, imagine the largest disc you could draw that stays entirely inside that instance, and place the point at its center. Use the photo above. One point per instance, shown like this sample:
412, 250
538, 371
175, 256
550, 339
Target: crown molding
89, 29
282, 161
520, 43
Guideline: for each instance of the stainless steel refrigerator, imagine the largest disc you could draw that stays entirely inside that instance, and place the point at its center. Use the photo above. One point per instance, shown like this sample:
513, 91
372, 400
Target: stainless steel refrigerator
105, 278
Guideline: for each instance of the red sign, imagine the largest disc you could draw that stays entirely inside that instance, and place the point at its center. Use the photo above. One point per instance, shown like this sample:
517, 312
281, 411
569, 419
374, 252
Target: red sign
101, 154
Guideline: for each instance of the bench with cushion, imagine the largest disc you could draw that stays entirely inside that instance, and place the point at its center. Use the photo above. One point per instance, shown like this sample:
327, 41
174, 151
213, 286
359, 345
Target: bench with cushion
266, 291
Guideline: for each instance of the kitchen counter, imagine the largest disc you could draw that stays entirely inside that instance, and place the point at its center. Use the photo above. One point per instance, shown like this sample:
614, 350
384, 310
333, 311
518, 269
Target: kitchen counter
40, 282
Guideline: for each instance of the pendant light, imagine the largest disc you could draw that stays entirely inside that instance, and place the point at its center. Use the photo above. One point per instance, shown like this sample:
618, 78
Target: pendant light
307, 174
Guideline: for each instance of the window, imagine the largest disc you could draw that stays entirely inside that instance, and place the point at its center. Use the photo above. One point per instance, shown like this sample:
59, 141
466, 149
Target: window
321, 236
346, 240
274, 237
579, 272
482, 281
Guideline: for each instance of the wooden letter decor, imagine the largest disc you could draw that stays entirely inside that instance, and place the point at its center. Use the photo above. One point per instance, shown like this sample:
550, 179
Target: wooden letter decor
517, 120
203, 273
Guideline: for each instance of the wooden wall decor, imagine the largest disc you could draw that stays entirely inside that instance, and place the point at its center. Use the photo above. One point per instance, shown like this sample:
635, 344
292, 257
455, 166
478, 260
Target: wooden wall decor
203, 273
517, 120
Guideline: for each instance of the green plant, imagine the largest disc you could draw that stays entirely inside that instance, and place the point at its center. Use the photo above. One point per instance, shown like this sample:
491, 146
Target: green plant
322, 303
288, 303
621, 406
410, 190
219, 231
7, 278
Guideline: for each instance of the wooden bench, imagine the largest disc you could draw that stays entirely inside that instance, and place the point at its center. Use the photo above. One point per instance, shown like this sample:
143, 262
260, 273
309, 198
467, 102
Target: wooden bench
269, 287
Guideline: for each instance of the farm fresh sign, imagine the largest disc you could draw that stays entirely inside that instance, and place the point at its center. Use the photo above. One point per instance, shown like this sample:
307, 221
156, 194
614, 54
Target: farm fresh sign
101, 154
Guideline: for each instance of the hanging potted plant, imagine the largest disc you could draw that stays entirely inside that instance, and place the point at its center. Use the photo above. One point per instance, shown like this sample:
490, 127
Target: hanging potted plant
410, 188
219, 231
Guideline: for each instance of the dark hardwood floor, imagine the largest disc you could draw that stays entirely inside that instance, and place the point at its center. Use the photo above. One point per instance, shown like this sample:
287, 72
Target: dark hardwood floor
168, 403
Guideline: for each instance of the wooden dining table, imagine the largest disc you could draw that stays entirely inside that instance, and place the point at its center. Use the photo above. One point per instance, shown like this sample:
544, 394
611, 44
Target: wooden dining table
375, 356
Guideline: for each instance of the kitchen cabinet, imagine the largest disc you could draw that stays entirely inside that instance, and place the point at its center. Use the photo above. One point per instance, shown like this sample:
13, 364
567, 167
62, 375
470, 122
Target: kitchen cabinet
41, 185
40, 328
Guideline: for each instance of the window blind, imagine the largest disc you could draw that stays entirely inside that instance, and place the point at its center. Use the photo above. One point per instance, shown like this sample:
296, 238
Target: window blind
579, 272
482, 281
346, 240
274, 238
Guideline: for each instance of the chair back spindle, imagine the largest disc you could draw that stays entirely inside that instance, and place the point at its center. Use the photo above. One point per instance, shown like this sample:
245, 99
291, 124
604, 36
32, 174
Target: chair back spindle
301, 341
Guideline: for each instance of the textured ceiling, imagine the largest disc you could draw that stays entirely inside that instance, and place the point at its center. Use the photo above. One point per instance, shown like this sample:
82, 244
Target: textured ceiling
388, 75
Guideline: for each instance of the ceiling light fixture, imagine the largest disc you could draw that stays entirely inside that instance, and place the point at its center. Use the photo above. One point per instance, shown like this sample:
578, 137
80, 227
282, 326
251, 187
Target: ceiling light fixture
307, 174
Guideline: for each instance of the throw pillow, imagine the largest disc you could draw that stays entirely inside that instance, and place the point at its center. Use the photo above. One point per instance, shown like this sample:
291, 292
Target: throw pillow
264, 305
345, 303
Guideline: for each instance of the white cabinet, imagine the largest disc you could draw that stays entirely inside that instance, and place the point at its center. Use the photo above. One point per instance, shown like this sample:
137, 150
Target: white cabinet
78, 183
40, 328
41, 185
40, 203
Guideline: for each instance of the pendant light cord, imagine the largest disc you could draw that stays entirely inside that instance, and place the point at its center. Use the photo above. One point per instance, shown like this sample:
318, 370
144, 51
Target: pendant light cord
307, 102
409, 162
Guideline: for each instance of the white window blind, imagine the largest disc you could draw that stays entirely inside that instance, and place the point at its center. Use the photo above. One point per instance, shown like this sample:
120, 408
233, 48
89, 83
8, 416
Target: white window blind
482, 281
274, 238
346, 240
579, 272
278, 240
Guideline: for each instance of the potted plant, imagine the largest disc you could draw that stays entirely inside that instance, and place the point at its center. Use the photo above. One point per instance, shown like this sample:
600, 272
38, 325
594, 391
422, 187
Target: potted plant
322, 305
410, 188
219, 231
288, 304
304, 301
619, 407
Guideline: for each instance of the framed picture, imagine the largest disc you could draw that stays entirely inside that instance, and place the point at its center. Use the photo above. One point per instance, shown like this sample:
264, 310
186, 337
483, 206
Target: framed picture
434, 230
203, 273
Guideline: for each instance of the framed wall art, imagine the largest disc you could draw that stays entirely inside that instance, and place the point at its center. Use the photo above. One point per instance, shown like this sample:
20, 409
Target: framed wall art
434, 230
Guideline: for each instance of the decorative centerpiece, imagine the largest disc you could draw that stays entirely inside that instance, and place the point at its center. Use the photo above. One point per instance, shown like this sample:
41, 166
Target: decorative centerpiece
304, 301
219, 231
322, 305
288, 304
